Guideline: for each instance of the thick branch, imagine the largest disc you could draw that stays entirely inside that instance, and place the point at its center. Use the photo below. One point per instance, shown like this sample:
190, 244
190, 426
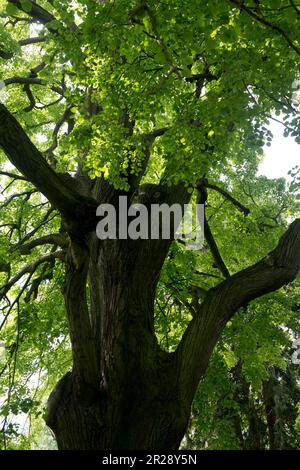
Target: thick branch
32, 81
51, 239
36, 12
85, 361
280, 267
49, 152
201, 199
214, 249
23, 42
30, 97
156, 133
26, 42
76, 208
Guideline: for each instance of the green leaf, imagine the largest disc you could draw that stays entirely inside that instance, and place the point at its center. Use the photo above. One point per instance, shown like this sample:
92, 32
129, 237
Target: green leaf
11, 9
26, 5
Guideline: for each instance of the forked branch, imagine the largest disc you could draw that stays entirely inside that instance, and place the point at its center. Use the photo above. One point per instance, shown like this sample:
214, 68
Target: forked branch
278, 268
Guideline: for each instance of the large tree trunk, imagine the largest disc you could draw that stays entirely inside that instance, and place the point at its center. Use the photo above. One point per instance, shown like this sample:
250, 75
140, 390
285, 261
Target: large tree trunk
123, 392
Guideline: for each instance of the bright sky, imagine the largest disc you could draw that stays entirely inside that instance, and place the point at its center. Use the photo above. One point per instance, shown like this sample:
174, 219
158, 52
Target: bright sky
282, 156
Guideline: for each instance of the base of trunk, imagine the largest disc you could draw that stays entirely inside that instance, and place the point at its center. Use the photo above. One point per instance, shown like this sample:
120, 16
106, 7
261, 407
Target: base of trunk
88, 421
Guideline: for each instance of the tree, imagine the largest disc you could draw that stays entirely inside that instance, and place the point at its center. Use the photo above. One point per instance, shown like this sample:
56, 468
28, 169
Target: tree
161, 102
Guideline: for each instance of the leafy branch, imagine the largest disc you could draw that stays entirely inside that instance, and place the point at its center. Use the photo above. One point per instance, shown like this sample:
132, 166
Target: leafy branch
267, 23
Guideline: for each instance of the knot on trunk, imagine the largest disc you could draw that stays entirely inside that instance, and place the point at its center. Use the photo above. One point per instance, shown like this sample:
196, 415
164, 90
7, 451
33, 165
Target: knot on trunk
61, 392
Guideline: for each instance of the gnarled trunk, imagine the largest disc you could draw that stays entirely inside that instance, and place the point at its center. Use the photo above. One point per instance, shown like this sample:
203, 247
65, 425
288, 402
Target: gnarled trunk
123, 391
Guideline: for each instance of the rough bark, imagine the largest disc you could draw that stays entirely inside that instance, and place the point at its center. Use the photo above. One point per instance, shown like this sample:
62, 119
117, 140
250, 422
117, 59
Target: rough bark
123, 390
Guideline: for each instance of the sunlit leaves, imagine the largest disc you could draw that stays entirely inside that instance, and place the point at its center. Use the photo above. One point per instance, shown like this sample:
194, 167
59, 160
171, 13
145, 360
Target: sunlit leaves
211, 77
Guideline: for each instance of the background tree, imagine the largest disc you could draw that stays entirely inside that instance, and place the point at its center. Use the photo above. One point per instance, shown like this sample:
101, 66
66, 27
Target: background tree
161, 102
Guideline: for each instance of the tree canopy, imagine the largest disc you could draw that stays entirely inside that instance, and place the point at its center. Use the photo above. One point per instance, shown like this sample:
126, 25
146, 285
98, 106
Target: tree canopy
120, 95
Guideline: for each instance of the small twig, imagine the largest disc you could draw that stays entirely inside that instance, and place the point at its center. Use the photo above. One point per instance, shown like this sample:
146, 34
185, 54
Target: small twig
268, 23
230, 198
